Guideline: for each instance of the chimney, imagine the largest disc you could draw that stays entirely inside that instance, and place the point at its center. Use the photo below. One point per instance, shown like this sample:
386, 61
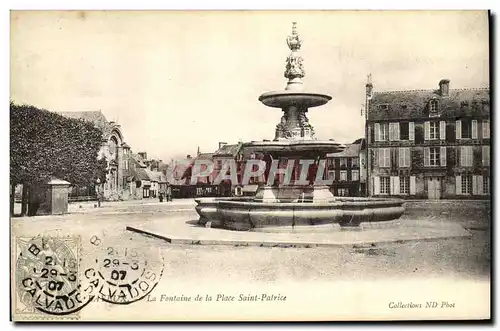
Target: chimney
221, 144
444, 87
369, 86
144, 155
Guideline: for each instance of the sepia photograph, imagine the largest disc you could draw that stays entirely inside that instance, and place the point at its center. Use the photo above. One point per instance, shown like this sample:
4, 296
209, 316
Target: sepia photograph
250, 165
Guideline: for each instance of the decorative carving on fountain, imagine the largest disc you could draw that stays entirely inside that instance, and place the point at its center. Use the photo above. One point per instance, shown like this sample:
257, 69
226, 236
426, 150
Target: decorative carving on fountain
282, 130
294, 67
294, 42
307, 129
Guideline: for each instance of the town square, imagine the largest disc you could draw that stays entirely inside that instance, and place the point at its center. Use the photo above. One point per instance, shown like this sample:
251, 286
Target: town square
242, 165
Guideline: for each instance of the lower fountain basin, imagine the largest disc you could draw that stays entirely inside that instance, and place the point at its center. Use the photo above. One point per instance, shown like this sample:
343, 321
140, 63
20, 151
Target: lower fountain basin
246, 214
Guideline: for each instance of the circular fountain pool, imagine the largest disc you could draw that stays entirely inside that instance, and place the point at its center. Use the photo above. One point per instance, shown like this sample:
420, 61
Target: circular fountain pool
339, 212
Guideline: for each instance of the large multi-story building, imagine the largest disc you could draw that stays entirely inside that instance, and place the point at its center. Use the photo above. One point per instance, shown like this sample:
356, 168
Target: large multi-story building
429, 143
347, 169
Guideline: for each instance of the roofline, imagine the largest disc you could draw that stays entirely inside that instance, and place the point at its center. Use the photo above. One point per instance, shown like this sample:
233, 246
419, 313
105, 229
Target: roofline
433, 90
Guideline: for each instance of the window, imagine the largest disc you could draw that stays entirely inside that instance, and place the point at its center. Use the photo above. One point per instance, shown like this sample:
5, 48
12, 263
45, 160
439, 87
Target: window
331, 175
466, 129
384, 106
466, 184
434, 156
404, 157
393, 131
486, 155
342, 192
145, 193
381, 131
384, 157
125, 164
466, 156
355, 175
355, 162
433, 106
486, 185
343, 162
404, 185
404, 131
385, 185
343, 175
433, 130
486, 129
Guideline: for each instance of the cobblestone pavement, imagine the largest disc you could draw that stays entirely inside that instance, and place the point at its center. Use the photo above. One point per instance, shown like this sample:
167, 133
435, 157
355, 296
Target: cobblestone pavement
464, 258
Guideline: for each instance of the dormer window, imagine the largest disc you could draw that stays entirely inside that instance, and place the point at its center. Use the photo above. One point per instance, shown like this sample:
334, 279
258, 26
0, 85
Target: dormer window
404, 106
433, 106
383, 106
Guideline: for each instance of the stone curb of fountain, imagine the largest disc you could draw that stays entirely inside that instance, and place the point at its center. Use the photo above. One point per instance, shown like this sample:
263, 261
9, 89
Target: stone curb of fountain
185, 240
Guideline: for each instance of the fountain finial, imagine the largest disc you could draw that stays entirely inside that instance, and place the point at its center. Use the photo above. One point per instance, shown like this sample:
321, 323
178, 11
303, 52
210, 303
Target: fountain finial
293, 40
294, 69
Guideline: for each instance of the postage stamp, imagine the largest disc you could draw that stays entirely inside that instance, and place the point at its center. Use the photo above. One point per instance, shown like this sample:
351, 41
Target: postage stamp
47, 278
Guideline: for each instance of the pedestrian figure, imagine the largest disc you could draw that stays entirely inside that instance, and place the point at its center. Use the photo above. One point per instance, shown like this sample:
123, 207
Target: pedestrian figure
169, 192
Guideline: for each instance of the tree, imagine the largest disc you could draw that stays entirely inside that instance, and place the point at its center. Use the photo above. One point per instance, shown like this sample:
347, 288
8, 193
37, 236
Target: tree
44, 144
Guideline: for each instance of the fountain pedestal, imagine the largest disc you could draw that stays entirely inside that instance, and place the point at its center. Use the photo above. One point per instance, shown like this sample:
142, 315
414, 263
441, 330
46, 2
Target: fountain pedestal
294, 193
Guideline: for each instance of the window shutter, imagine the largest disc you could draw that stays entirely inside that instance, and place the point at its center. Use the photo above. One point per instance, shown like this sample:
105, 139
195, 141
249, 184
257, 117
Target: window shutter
463, 156
376, 185
469, 156
381, 162
391, 185
474, 185
411, 131
427, 129
486, 155
401, 157
458, 130
376, 160
458, 185
486, 129
474, 129
396, 190
442, 154
479, 181
413, 185
397, 134
377, 131
442, 130
387, 158
427, 156
408, 157
391, 131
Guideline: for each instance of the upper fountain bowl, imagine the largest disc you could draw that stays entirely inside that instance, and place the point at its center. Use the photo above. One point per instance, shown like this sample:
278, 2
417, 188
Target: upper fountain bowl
286, 98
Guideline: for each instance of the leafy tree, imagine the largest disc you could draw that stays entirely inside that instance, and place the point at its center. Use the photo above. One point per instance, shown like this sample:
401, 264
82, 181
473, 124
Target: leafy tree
44, 144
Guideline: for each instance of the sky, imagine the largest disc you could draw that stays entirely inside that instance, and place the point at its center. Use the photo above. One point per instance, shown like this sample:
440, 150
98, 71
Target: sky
176, 81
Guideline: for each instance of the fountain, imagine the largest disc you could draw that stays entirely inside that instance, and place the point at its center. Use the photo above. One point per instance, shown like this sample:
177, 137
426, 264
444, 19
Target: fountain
293, 206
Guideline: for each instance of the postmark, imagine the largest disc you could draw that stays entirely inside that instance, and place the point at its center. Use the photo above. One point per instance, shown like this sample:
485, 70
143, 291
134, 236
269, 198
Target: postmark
123, 272
47, 277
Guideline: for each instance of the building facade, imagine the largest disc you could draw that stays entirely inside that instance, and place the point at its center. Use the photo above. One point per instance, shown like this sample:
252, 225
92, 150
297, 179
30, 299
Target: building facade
429, 144
347, 169
113, 149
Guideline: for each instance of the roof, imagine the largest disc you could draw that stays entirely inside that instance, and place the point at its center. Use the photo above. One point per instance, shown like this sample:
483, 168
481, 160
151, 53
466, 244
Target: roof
228, 150
351, 150
415, 103
140, 161
156, 176
141, 174
205, 156
95, 117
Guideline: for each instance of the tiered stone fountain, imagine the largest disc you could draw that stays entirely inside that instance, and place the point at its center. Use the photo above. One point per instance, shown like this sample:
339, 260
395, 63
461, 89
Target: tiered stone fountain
295, 207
